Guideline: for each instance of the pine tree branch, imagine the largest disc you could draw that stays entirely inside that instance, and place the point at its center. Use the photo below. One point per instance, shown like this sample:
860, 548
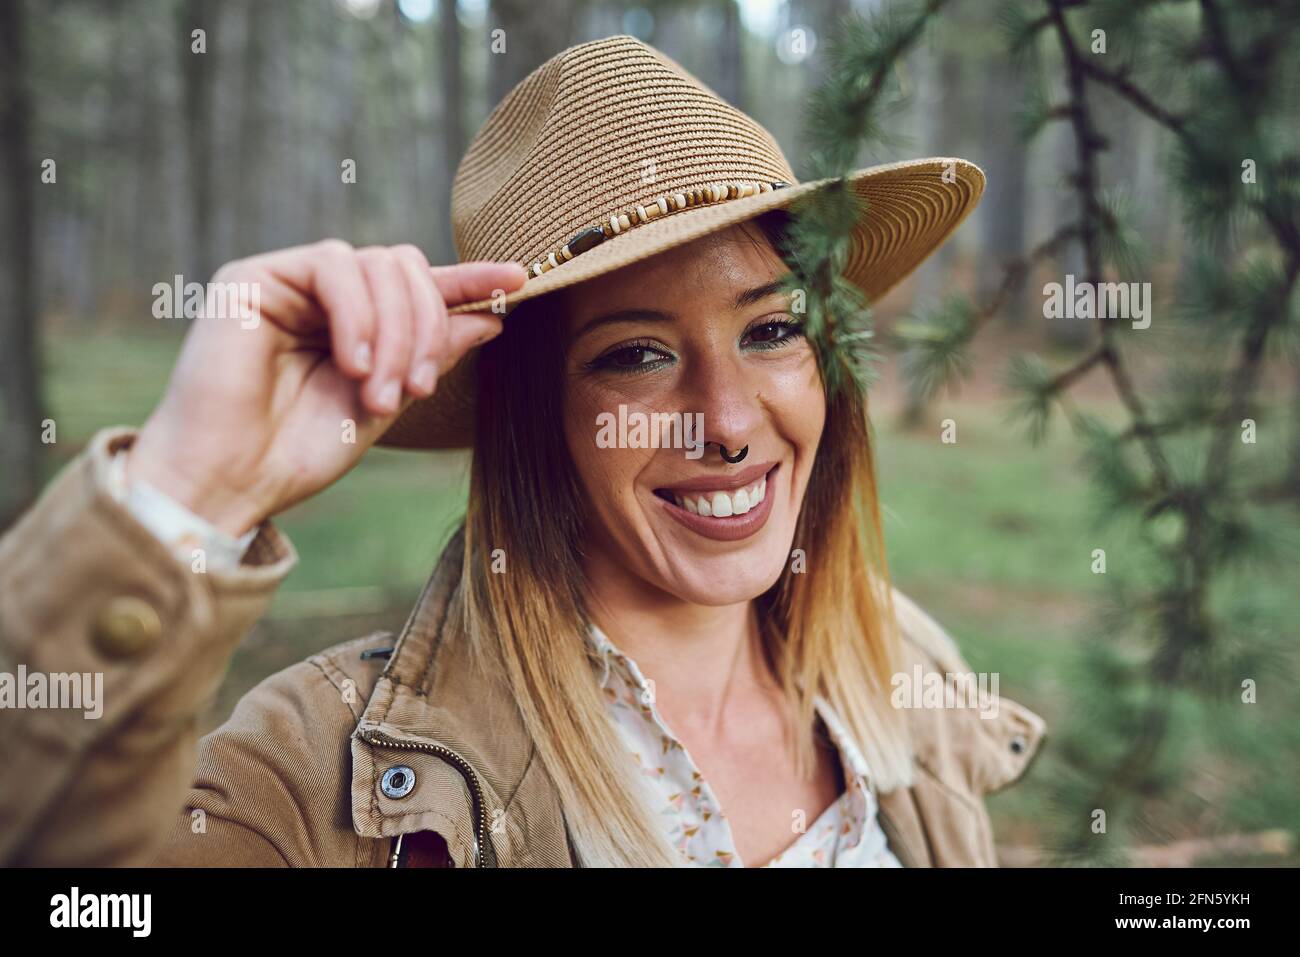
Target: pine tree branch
1015, 272
1203, 526
1085, 178
1072, 373
1245, 375
838, 317
895, 51
1244, 379
1172, 426
1125, 88
1216, 36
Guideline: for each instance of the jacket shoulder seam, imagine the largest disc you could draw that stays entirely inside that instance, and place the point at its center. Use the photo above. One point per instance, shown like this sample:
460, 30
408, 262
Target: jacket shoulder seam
926, 635
335, 652
336, 678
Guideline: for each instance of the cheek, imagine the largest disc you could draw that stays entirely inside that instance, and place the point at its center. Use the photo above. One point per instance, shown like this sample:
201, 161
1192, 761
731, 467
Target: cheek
796, 401
606, 475
578, 410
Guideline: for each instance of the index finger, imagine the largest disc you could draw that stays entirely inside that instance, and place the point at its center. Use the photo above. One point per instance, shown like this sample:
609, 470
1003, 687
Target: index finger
469, 282
328, 273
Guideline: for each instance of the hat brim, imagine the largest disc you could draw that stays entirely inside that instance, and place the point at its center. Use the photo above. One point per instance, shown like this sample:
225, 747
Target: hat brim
910, 209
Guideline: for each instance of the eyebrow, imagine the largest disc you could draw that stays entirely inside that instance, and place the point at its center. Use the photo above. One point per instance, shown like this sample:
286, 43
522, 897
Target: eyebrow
759, 293
624, 315
745, 298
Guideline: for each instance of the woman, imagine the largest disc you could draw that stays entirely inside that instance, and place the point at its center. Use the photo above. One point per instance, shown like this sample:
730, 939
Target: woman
653, 647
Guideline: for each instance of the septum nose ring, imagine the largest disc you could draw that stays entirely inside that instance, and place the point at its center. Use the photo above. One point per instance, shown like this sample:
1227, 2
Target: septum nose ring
733, 459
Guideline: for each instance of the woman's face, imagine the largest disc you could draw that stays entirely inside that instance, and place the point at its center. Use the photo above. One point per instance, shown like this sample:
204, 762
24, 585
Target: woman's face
701, 330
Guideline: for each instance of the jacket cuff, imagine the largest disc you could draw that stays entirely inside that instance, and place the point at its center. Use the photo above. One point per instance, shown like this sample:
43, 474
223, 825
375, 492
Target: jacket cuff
87, 591
191, 537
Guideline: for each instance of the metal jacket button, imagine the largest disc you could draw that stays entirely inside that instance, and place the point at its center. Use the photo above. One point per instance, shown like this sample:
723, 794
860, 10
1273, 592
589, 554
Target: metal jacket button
126, 627
398, 781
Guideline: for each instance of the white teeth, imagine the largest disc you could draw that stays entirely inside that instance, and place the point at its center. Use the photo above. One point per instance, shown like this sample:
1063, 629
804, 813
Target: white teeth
724, 504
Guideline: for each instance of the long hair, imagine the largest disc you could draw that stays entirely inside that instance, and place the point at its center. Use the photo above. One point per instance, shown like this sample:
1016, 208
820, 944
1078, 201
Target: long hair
827, 623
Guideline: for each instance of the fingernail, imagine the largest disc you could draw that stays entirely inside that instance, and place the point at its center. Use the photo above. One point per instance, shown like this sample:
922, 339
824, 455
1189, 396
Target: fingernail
363, 357
425, 375
389, 396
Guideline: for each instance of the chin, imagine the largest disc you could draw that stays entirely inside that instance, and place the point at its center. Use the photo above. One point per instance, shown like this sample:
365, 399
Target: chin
723, 580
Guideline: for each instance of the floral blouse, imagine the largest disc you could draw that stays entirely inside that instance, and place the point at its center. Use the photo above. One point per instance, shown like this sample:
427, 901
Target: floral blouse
847, 834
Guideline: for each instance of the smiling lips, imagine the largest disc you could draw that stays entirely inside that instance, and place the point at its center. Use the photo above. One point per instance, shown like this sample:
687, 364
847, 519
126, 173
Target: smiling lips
722, 508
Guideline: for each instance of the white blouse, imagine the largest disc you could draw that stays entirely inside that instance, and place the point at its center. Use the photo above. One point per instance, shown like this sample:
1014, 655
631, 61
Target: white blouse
847, 834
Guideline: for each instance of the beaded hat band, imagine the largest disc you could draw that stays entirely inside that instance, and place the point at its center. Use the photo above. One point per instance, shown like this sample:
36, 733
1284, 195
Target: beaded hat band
659, 206
610, 153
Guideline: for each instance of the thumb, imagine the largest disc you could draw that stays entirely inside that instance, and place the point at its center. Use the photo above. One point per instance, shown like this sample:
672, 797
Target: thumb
470, 329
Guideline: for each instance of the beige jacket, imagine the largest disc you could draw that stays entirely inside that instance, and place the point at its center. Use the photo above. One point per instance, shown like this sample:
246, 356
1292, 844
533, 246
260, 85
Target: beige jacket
296, 775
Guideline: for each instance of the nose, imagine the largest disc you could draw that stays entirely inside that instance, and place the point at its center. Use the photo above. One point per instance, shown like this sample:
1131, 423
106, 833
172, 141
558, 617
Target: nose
731, 404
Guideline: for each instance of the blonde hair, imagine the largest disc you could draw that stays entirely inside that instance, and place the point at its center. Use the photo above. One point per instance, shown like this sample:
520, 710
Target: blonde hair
828, 631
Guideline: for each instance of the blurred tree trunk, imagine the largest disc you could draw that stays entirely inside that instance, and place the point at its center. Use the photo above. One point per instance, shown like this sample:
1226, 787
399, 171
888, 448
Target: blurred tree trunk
197, 70
1068, 332
534, 32
1292, 479
949, 127
347, 129
939, 88
938, 96
251, 135
322, 181
146, 156
824, 16
730, 75
453, 118
1006, 196
20, 394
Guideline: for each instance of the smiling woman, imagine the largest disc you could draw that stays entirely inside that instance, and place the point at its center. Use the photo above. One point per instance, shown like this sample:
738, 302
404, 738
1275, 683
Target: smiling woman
687, 566
630, 653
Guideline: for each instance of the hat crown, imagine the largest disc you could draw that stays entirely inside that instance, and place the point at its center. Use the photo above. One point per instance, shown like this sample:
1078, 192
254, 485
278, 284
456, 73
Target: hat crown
598, 129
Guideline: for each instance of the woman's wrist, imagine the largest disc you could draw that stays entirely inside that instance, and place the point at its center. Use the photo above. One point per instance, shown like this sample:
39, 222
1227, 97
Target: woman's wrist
231, 511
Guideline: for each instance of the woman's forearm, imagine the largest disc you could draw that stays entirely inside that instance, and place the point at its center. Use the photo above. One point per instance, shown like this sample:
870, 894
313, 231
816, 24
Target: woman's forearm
119, 646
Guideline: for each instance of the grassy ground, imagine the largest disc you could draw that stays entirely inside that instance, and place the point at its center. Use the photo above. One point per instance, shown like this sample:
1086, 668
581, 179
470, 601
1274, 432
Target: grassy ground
993, 537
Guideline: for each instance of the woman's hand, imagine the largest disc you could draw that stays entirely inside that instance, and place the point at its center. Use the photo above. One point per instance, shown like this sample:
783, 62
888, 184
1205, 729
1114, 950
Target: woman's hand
262, 414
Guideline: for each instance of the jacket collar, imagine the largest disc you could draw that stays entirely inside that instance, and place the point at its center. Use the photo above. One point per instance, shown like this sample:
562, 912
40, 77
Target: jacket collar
439, 712
442, 715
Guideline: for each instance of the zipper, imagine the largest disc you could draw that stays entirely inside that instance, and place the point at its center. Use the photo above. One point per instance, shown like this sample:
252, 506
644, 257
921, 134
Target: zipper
481, 847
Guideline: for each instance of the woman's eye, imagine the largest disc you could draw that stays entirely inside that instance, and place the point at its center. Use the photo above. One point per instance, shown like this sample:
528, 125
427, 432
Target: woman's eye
769, 335
630, 358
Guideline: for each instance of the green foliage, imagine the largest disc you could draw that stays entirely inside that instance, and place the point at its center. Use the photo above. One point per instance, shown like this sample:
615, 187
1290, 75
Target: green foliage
1031, 382
861, 90
847, 114
1119, 242
1168, 474
1036, 112
1191, 396
837, 319
935, 345
1119, 487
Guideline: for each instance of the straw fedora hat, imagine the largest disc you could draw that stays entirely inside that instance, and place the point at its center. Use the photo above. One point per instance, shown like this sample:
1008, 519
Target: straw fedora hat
609, 153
